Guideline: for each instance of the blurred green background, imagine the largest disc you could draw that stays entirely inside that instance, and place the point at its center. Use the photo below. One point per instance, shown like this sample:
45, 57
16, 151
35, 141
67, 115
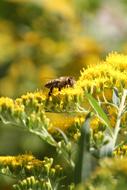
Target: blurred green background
44, 39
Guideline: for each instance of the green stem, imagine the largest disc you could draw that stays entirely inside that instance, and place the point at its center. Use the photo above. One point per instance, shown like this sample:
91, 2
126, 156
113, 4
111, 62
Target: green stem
120, 111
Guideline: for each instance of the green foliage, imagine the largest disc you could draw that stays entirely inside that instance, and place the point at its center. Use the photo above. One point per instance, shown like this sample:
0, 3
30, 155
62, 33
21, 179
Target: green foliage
99, 111
83, 167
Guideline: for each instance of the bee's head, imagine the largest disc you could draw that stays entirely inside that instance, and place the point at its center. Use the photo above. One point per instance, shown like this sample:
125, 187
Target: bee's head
71, 81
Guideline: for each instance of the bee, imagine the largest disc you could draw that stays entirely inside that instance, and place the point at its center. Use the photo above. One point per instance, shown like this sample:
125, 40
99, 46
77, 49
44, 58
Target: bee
61, 82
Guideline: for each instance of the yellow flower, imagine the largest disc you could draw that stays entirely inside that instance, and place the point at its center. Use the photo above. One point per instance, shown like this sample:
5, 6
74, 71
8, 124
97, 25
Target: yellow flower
112, 113
17, 160
105, 75
118, 61
121, 151
6, 106
33, 99
95, 123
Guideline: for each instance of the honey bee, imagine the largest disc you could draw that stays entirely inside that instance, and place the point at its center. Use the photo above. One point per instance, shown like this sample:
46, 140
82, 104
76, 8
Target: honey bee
61, 82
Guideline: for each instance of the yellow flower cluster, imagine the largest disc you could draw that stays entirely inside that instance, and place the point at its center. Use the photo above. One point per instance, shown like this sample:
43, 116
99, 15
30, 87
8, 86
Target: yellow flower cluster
98, 80
26, 160
32, 101
121, 151
118, 61
65, 100
10, 110
6, 102
32, 111
112, 113
27, 112
95, 123
27, 165
105, 75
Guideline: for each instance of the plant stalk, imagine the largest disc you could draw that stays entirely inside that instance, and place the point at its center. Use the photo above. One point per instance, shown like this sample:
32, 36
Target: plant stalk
120, 111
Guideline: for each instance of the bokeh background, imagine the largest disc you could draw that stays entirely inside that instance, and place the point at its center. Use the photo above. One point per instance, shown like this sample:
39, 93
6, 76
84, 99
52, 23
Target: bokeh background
45, 39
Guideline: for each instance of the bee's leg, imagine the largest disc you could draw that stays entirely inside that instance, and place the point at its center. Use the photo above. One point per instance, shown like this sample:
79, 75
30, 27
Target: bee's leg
59, 88
50, 91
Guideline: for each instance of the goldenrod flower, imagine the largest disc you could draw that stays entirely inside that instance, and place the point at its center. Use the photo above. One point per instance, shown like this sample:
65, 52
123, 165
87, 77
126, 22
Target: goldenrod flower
105, 75
118, 61
121, 151
21, 160
96, 123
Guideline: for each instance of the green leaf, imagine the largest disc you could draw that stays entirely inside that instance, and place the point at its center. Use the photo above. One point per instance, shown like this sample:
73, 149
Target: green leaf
100, 113
85, 162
